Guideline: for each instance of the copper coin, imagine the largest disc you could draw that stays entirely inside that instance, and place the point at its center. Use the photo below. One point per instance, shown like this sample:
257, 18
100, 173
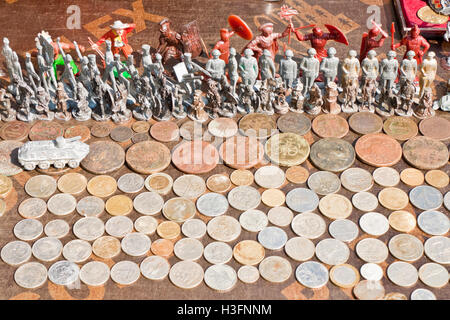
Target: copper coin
165, 131
241, 152
412, 177
294, 123
218, 183
101, 130
400, 128
437, 178
140, 126
241, 177
436, 127
15, 130
148, 157
168, 230
332, 154
103, 157
257, 125
79, 130
139, 137
162, 247
330, 126
425, 153
378, 150
287, 149
195, 157
46, 130
297, 174
192, 130
365, 123
121, 134
9, 163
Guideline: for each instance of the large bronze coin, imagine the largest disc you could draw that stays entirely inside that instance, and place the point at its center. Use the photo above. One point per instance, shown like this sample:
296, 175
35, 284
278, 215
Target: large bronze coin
101, 130
294, 123
195, 157
148, 157
15, 130
46, 130
287, 149
378, 150
436, 127
241, 152
103, 157
330, 126
9, 164
400, 128
332, 154
425, 153
365, 122
79, 130
257, 125
165, 131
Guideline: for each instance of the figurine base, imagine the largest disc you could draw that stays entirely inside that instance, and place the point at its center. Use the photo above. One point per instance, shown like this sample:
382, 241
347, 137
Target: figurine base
365, 109
99, 117
8, 117
164, 117
227, 113
403, 113
268, 112
30, 117
421, 115
383, 111
122, 117
296, 110
282, 110
350, 109
85, 116
46, 117
313, 110
63, 116
242, 110
202, 119
335, 110
139, 114
179, 115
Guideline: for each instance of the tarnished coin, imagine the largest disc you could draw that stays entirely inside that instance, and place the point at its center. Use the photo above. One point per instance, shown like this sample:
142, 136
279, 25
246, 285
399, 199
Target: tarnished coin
335, 206
344, 230
159, 182
272, 238
121, 134
179, 209
330, 126
119, 205
130, 183
223, 127
192, 130
57, 228
378, 150
332, 154
32, 208
369, 290
241, 177
186, 274
248, 274
386, 176
28, 229
312, 274
240, 152
15, 253
15, 130
136, 244
94, 273
438, 249
140, 126
299, 249
195, 157
78, 131
422, 294
302, 200
308, 225
393, 198
425, 153
344, 276
147, 225
447, 200
374, 223
436, 128
40, 186
324, 182
280, 216
400, 128
102, 186
371, 271
220, 277
148, 203
402, 274
433, 275
125, 272
244, 198
119, 226
356, 179
162, 247
223, 228
61, 204
77, 250
365, 123
104, 157
106, 247
165, 131
155, 268
9, 163
88, 228
273, 197
294, 123
189, 186
218, 252
426, 197
365, 201
402, 221
287, 149
257, 125
139, 137
188, 249
90, 206
5, 186
248, 252
46, 130
275, 269
218, 183
406, 247
433, 222
31, 275
194, 228
270, 177
47, 249
332, 251
101, 130
212, 204
412, 177
72, 183
148, 157
297, 174
437, 178
168, 230
372, 250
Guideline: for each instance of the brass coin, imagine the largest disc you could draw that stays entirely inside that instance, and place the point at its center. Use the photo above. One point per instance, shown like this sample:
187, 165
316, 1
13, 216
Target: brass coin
248, 252
393, 198
2, 207
165, 131
179, 209
257, 125
425, 153
140, 126
436, 178
119, 205
102, 186
104, 157
400, 128
365, 123
394, 296
162, 247
218, 183
428, 15
159, 182
241, 177
412, 177
335, 206
287, 149
273, 197
73, 183
295, 123
101, 130
168, 230
106, 247
402, 221
297, 174
330, 126
121, 134
332, 154
5, 186
148, 157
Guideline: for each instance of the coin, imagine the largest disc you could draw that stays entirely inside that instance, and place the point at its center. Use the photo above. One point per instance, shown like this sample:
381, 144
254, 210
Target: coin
168, 230
88, 228
57, 228
272, 238
297, 174
425, 153
5, 186
47, 249
248, 274
28, 229
365, 123
186, 274
332, 251
332, 154
94, 273
223, 127
343, 229
412, 177
393, 198
426, 197
240, 152
335, 206
159, 182
378, 150
386, 177
447, 200
40, 186
273, 197
248, 252
162, 247
139, 137
121, 134
9, 163
194, 228
2, 207
136, 244
369, 290
165, 131
179, 209
406, 247
90, 206
287, 149
356, 179
400, 128
433, 275
147, 225
218, 183
244, 198
130, 183
220, 277
365, 201
434, 222
374, 223
302, 200
77, 251
72, 183
188, 249
294, 123
32, 208
371, 250
371, 271
257, 125
15, 253
218, 252
119, 226
148, 203
223, 228
436, 128
31, 275
308, 225
101, 130
324, 182
422, 294
330, 126
140, 126
270, 177
192, 130
195, 157
125, 272
275, 269
78, 131
102, 186
241, 177
402, 274
104, 157
428, 15
437, 178
312, 274
212, 204
344, 276
61, 204
189, 186
155, 268
299, 249
46, 130
402, 221
15, 130
280, 216
394, 296
106, 247
437, 249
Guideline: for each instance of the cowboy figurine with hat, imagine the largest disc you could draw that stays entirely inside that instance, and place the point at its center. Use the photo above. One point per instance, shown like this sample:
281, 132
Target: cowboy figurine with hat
118, 37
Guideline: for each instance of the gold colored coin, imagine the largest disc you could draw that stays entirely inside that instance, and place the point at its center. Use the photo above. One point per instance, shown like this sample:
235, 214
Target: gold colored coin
412, 177
335, 206
159, 182
344, 275
119, 205
241, 177
297, 174
2, 207
402, 221
73, 183
428, 15
106, 247
102, 186
273, 197
5, 186
437, 178
248, 252
394, 296
140, 126
393, 198
218, 183
287, 149
168, 230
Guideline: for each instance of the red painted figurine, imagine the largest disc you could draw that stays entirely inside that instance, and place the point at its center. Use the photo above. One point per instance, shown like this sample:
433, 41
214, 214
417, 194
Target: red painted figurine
369, 40
266, 40
223, 45
170, 42
118, 37
415, 42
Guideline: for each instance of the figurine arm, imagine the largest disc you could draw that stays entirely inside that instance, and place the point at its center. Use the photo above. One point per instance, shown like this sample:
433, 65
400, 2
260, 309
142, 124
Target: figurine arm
425, 45
61, 49
300, 37
398, 44
302, 65
130, 28
285, 32
255, 67
253, 45
103, 38
77, 49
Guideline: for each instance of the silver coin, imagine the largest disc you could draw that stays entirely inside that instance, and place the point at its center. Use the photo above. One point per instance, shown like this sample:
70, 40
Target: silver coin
160, 183
90, 206
402, 274
433, 275
422, 294
406, 247
369, 290
324, 182
189, 186
31, 275
194, 228
188, 249
223, 228
426, 197
447, 200
299, 249
270, 177
47, 249
365, 201
125, 272
63, 273
356, 179
77, 250
371, 271
433, 222
148, 203
40, 186
302, 200
438, 249
372, 250
155, 268
332, 252
212, 204
275, 269
186, 274
244, 198
136, 244
130, 183
16, 252
312, 274
280, 216
272, 238
386, 176
218, 252
220, 277
374, 223
145, 224
253, 220
309, 225
57, 228
344, 230
32, 208
119, 226
248, 274
88, 228
94, 273
222, 127
28, 229
61, 204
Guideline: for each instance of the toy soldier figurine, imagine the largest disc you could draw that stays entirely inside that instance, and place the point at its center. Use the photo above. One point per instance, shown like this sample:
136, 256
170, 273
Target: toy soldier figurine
314, 101
68, 70
23, 98
213, 96
42, 105
407, 91
146, 60
350, 69
144, 97
32, 75
330, 103
329, 66
248, 99
216, 66
408, 67
85, 72
233, 70
425, 107
388, 71
427, 72
17, 69
82, 112
170, 45
7, 53
223, 45
109, 66
178, 107
131, 68
369, 40
118, 38
349, 95
297, 98
121, 69
388, 101
288, 69
415, 42
280, 104
370, 67
46, 73
61, 103
197, 112
105, 100
310, 67
120, 112
265, 100
369, 90
266, 66
7, 113
248, 65
161, 111
93, 69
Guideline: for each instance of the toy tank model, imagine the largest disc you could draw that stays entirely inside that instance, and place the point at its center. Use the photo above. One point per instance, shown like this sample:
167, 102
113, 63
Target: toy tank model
58, 152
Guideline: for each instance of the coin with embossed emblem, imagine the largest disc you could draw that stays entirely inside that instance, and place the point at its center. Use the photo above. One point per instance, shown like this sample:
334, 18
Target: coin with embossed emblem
186, 274
287, 149
402, 273
402, 221
192, 130
104, 157
365, 201
32, 208
294, 123
165, 131
302, 200
102, 186
106, 247
437, 178
248, 274
386, 176
47, 249
140, 126
270, 177
90, 206
218, 183
272, 238
146, 225
433, 222
406, 247
73, 183
369, 290
437, 248
88, 228
433, 275
130, 183
15, 253
425, 153
224, 228
9, 163
273, 197
275, 269
312, 274
244, 198
188, 249
257, 125
168, 230
344, 276
94, 273
253, 220
324, 182
119, 205
378, 150
61, 204
248, 252
136, 244
155, 268
121, 134
178, 209
223, 127
426, 197
356, 179
335, 206
343, 229
436, 128
372, 250
427, 14
374, 223
422, 294
220, 277
194, 228
101, 130
371, 271
332, 251
46, 130
31, 275
240, 152
57, 228
299, 249
28, 229
412, 177
297, 174
148, 203
139, 137
400, 128
332, 154
148, 157
280, 216
393, 198
77, 250
365, 123
189, 186
241, 177
125, 272
309, 225
218, 252
330, 126
40, 186
162, 247
15, 130
195, 157
159, 182
212, 204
